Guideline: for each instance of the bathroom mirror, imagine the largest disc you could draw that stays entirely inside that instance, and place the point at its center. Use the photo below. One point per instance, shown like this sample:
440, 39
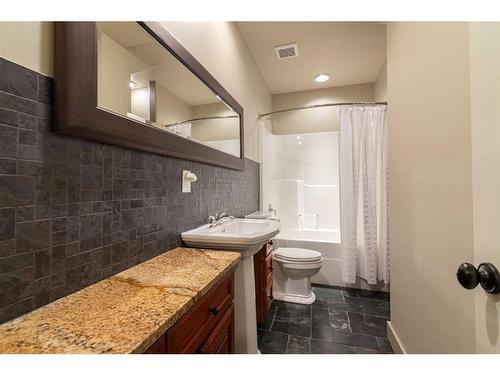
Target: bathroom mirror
134, 84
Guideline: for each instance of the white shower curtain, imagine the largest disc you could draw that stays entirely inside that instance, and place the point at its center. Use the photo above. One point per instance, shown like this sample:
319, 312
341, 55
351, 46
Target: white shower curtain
363, 194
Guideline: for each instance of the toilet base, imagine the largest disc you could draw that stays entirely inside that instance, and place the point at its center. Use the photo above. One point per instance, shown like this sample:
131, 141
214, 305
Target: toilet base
294, 298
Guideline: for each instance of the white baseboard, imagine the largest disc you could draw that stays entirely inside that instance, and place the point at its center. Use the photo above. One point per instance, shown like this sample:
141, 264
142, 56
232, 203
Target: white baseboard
394, 340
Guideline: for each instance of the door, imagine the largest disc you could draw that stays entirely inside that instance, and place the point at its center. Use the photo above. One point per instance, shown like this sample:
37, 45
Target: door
443, 84
484, 42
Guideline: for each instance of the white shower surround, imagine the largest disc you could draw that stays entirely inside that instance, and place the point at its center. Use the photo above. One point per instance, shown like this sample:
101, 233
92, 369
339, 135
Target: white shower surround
300, 174
310, 169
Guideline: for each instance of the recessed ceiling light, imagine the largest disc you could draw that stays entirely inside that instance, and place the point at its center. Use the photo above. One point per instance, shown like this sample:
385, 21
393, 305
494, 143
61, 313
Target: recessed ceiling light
132, 84
322, 77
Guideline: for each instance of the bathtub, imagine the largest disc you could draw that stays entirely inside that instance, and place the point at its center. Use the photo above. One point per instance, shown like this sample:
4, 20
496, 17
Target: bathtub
326, 241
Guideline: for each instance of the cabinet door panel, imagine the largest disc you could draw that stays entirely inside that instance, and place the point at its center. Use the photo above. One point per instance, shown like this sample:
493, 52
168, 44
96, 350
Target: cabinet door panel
268, 269
263, 263
268, 296
221, 339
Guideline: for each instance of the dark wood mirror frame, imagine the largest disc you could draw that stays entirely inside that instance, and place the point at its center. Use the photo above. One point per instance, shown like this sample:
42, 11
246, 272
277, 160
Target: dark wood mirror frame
76, 111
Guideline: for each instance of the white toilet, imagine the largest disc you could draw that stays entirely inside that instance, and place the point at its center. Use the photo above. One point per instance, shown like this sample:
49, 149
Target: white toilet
292, 272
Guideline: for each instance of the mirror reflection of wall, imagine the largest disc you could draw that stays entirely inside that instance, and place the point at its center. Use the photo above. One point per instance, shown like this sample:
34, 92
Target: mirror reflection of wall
140, 79
221, 133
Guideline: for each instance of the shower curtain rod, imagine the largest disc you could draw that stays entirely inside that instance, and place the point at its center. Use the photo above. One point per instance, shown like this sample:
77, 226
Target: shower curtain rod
320, 105
200, 119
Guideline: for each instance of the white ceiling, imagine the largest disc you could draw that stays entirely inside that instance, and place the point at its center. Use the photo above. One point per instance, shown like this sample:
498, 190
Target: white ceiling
350, 52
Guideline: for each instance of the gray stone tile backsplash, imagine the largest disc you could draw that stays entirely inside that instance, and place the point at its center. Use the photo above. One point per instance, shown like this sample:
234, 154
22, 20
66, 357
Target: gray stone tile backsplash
73, 212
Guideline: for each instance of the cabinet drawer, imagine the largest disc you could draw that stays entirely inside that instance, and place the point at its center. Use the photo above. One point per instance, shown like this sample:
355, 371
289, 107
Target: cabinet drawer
192, 329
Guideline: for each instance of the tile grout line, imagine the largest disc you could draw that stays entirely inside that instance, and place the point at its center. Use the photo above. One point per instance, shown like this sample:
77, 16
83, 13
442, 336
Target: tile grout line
378, 316
349, 321
274, 317
287, 342
363, 299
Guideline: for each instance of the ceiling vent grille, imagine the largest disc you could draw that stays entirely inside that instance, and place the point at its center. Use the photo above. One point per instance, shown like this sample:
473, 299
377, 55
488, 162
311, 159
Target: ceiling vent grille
287, 51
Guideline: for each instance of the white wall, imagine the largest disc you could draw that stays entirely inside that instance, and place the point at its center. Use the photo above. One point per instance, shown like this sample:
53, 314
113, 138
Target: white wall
139, 102
215, 130
380, 86
430, 185
113, 90
316, 119
221, 50
170, 108
29, 44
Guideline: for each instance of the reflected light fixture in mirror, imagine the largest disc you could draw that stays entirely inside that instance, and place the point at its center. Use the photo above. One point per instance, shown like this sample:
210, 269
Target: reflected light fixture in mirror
322, 77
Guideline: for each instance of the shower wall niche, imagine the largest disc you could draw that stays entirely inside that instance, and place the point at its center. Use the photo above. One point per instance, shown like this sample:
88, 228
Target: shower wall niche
300, 178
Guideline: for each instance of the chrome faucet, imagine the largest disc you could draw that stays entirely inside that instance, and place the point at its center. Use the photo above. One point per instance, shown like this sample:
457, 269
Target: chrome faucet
275, 213
273, 210
219, 218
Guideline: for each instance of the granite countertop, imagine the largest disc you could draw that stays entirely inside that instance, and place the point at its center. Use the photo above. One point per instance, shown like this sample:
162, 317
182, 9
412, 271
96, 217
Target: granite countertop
125, 313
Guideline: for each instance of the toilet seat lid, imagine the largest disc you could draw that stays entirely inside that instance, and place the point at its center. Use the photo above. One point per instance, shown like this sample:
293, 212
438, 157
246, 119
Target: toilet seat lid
296, 254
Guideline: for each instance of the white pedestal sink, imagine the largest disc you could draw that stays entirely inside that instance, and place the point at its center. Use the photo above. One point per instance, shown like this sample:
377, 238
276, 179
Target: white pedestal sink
245, 236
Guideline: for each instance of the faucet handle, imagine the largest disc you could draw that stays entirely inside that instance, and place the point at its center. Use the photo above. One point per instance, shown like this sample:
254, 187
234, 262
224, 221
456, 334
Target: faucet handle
219, 215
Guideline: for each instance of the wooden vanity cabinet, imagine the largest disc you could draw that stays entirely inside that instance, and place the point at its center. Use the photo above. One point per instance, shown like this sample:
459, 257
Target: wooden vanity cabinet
263, 268
208, 327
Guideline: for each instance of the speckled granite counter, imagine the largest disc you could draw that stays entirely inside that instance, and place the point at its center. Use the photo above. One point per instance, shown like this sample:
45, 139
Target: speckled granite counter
125, 313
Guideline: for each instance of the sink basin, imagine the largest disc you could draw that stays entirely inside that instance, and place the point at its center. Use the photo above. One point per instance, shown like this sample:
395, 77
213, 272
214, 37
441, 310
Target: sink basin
245, 236
259, 215
235, 234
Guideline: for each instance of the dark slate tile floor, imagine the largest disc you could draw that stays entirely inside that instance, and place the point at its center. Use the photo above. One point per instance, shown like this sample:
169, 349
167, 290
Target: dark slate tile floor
341, 321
